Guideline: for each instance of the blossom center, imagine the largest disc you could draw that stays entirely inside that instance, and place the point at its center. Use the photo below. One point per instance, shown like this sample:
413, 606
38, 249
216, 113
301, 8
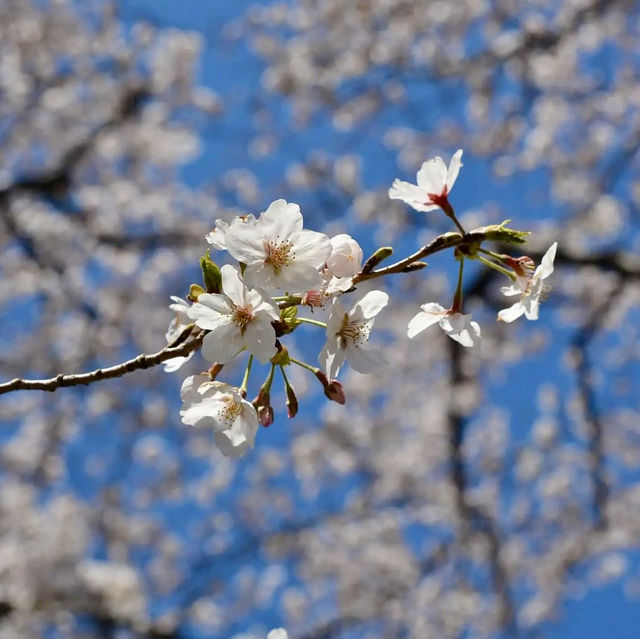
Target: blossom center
440, 199
353, 333
279, 254
241, 318
228, 410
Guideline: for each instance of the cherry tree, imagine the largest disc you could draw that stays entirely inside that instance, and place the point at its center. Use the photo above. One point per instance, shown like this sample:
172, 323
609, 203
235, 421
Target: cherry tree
429, 497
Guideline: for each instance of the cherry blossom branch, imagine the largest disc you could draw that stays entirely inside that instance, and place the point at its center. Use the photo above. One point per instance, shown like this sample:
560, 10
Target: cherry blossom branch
176, 349
440, 243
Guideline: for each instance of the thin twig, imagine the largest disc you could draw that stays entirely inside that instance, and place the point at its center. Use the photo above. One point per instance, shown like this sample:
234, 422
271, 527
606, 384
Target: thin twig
440, 243
176, 349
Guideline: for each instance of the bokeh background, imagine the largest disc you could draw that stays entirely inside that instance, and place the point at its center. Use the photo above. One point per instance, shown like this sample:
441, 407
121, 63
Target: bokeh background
486, 493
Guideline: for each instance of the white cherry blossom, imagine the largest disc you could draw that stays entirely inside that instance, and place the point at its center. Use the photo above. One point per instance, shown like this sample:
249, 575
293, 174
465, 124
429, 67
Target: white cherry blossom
530, 289
457, 326
221, 407
346, 256
435, 182
237, 318
278, 254
348, 335
179, 323
217, 237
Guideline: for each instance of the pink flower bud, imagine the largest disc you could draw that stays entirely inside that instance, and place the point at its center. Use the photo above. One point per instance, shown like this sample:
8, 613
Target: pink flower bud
292, 402
265, 415
332, 388
335, 392
262, 404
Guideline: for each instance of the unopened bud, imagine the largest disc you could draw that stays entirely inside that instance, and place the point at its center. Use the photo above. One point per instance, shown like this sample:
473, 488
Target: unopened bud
335, 392
195, 291
262, 404
332, 388
415, 266
381, 254
292, 402
500, 233
211, 274
265, 415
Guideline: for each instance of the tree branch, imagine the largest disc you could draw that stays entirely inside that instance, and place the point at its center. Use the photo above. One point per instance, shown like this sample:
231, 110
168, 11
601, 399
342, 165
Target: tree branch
175, 349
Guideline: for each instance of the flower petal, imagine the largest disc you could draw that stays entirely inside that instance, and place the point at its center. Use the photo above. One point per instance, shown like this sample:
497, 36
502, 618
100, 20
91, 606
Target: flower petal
511, 290
222, 343
420, 322
232, 285
411, 194
311, 247
260, 340
175, 363
246, 243
512, 313
454, 169
546, 265
365, 358
370, 305
468, 334
331, 357
282, 219
432, 176
231, 443
210, 311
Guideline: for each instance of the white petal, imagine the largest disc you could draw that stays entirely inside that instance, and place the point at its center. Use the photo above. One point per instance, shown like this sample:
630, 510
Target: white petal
365, 358
261, 303
331, 357
512, 313
461, 329
260, 340
297, 278
281, 219
231, 443
511, 290
189, 389
406, 191
178, 302
211, 310
420, 322
432, 176
311, 248
246, 243
217, 237
454, 169
433, 308
454, 322
531, 308
175, 363
336, 315
546, 265
232, 285
370, 305
222, 343
411, 194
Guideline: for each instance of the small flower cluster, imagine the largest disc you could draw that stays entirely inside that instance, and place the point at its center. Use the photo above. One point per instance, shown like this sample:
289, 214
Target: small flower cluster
247, 308
434, 183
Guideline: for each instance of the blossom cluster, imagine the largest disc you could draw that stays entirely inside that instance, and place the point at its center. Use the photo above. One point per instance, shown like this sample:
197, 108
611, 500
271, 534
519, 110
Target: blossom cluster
249, 307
